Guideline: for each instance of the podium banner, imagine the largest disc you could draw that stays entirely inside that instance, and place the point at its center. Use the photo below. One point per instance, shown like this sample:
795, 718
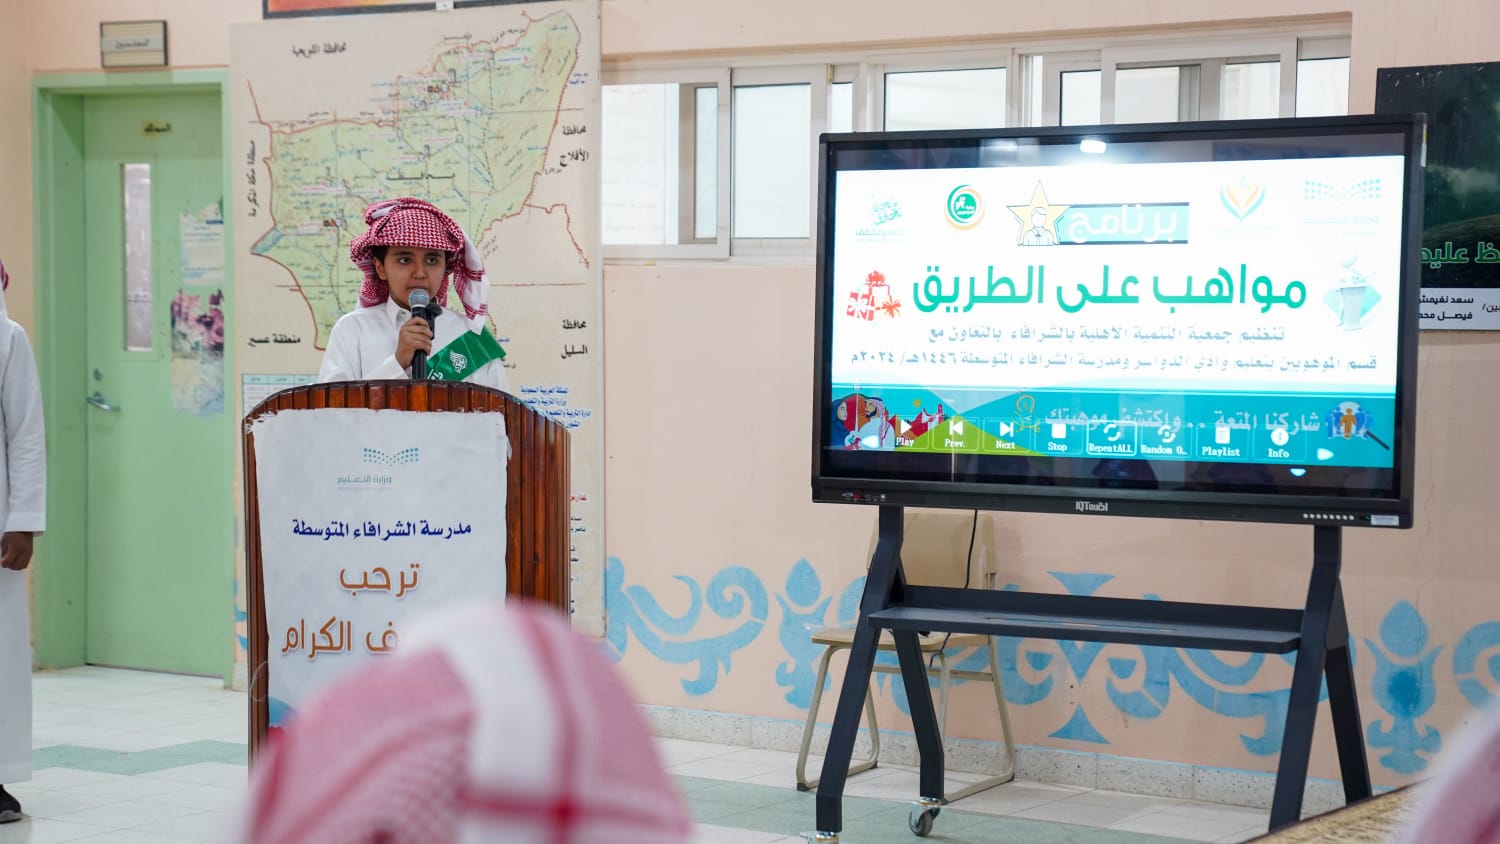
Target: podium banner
367, 519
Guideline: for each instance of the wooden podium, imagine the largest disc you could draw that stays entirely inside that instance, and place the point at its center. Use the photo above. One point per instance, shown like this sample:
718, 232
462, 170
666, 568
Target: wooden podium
538, 547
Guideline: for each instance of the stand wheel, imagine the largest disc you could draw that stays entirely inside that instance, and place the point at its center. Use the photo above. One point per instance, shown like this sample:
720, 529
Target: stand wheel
921, 820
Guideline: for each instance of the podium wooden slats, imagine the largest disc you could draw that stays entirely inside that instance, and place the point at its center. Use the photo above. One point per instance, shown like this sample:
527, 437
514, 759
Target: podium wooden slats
538, 545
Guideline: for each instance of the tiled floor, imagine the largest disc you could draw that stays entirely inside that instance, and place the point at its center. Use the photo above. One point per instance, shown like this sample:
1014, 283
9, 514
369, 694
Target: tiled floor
125, 757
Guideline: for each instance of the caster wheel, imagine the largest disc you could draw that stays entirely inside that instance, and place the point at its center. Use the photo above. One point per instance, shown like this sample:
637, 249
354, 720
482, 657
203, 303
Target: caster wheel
921, 820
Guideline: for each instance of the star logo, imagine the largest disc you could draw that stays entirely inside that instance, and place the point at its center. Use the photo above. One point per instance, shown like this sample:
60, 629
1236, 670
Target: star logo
1038, 219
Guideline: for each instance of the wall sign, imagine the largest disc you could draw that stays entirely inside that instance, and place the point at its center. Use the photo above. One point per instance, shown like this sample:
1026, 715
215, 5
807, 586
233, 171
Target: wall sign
133, 44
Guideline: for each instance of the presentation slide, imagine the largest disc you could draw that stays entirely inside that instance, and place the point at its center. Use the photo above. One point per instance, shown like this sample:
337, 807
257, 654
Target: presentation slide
1239, 311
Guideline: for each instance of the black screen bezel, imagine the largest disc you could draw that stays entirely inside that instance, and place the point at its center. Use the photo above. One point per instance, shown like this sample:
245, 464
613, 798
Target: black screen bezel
926, 479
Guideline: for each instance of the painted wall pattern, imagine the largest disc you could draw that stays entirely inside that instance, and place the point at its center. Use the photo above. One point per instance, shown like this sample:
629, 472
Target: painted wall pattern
733, 612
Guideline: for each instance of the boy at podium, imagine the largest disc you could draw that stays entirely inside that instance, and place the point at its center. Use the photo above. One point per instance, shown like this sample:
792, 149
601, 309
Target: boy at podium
411, 246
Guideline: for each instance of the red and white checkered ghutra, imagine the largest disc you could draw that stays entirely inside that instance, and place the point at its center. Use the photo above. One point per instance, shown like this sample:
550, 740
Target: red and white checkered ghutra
417, 223
496, 724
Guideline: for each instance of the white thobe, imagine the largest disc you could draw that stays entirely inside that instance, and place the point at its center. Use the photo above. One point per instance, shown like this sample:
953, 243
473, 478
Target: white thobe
362, 346
23, 507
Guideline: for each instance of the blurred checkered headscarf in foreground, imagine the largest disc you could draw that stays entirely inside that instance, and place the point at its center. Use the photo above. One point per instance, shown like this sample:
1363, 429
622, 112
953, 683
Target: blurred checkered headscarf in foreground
493, 723
1461, 803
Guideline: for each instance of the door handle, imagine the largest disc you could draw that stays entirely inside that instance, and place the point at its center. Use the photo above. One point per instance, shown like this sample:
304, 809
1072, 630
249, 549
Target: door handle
97, 400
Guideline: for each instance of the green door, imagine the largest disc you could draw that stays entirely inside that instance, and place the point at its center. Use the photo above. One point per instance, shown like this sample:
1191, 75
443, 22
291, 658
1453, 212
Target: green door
159, 434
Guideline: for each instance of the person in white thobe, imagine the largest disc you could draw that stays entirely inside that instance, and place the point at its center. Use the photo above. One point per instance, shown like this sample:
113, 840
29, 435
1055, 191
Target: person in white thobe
363, 346
412, 244
23, 513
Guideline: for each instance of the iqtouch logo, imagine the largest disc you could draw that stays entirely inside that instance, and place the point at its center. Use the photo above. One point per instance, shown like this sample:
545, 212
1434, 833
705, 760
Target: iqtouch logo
1091, 506
965, 208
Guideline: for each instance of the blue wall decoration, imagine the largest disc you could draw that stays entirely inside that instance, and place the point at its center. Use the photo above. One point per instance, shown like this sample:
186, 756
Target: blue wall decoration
1404, 687
1139, 685
734, 593
1475, 659
803, 608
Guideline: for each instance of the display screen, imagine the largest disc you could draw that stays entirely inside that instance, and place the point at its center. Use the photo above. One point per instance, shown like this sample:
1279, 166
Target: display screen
1200, 320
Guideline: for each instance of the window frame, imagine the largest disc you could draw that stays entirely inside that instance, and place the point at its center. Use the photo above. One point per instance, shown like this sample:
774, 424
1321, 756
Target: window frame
874, 70
1318, 48
689, 79
1031, 99
1209, 56
817, 77
1054, 66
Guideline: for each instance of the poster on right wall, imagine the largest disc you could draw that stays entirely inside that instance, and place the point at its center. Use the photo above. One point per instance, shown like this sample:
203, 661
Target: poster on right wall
1461, 228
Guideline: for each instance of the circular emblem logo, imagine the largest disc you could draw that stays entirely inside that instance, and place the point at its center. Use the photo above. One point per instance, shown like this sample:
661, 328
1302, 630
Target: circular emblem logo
965, 208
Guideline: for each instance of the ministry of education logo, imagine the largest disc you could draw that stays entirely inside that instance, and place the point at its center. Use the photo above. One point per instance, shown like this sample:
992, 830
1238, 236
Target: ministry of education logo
965, 208
378, 457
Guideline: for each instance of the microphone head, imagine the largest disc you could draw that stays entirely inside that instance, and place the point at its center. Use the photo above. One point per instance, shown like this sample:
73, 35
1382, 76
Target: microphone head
417, 299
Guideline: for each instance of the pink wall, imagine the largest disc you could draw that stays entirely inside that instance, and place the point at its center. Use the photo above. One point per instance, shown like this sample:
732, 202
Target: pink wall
15, 177
64, 34
708, 365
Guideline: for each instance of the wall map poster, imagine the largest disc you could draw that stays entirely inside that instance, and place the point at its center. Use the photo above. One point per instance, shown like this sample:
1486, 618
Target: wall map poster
305, 8
492, 115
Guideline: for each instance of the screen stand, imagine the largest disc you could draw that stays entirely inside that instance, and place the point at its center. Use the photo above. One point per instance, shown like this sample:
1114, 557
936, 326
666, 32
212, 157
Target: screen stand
1319, 633
1324, 651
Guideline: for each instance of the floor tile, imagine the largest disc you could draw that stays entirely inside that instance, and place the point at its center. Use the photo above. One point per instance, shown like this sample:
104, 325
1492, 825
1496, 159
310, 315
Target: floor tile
203, 773
1121, 799
717, 768
710, 834
1243, 835
1178, 826
771, 760
60, 779
1073, 812
1207, 812
677, 751
45, 831
137, 836
203, 826
199, 798
134, 758
122, 787
39, 803
125, 814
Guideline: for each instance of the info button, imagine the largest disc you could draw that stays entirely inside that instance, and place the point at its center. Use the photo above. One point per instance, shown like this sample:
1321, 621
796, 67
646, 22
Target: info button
1279, 443
1008, 435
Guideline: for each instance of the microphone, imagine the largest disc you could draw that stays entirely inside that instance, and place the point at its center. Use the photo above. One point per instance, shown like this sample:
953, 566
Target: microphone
421, 308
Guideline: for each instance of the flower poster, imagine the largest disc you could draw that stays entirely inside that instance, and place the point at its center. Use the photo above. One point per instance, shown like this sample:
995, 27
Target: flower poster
198, 353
